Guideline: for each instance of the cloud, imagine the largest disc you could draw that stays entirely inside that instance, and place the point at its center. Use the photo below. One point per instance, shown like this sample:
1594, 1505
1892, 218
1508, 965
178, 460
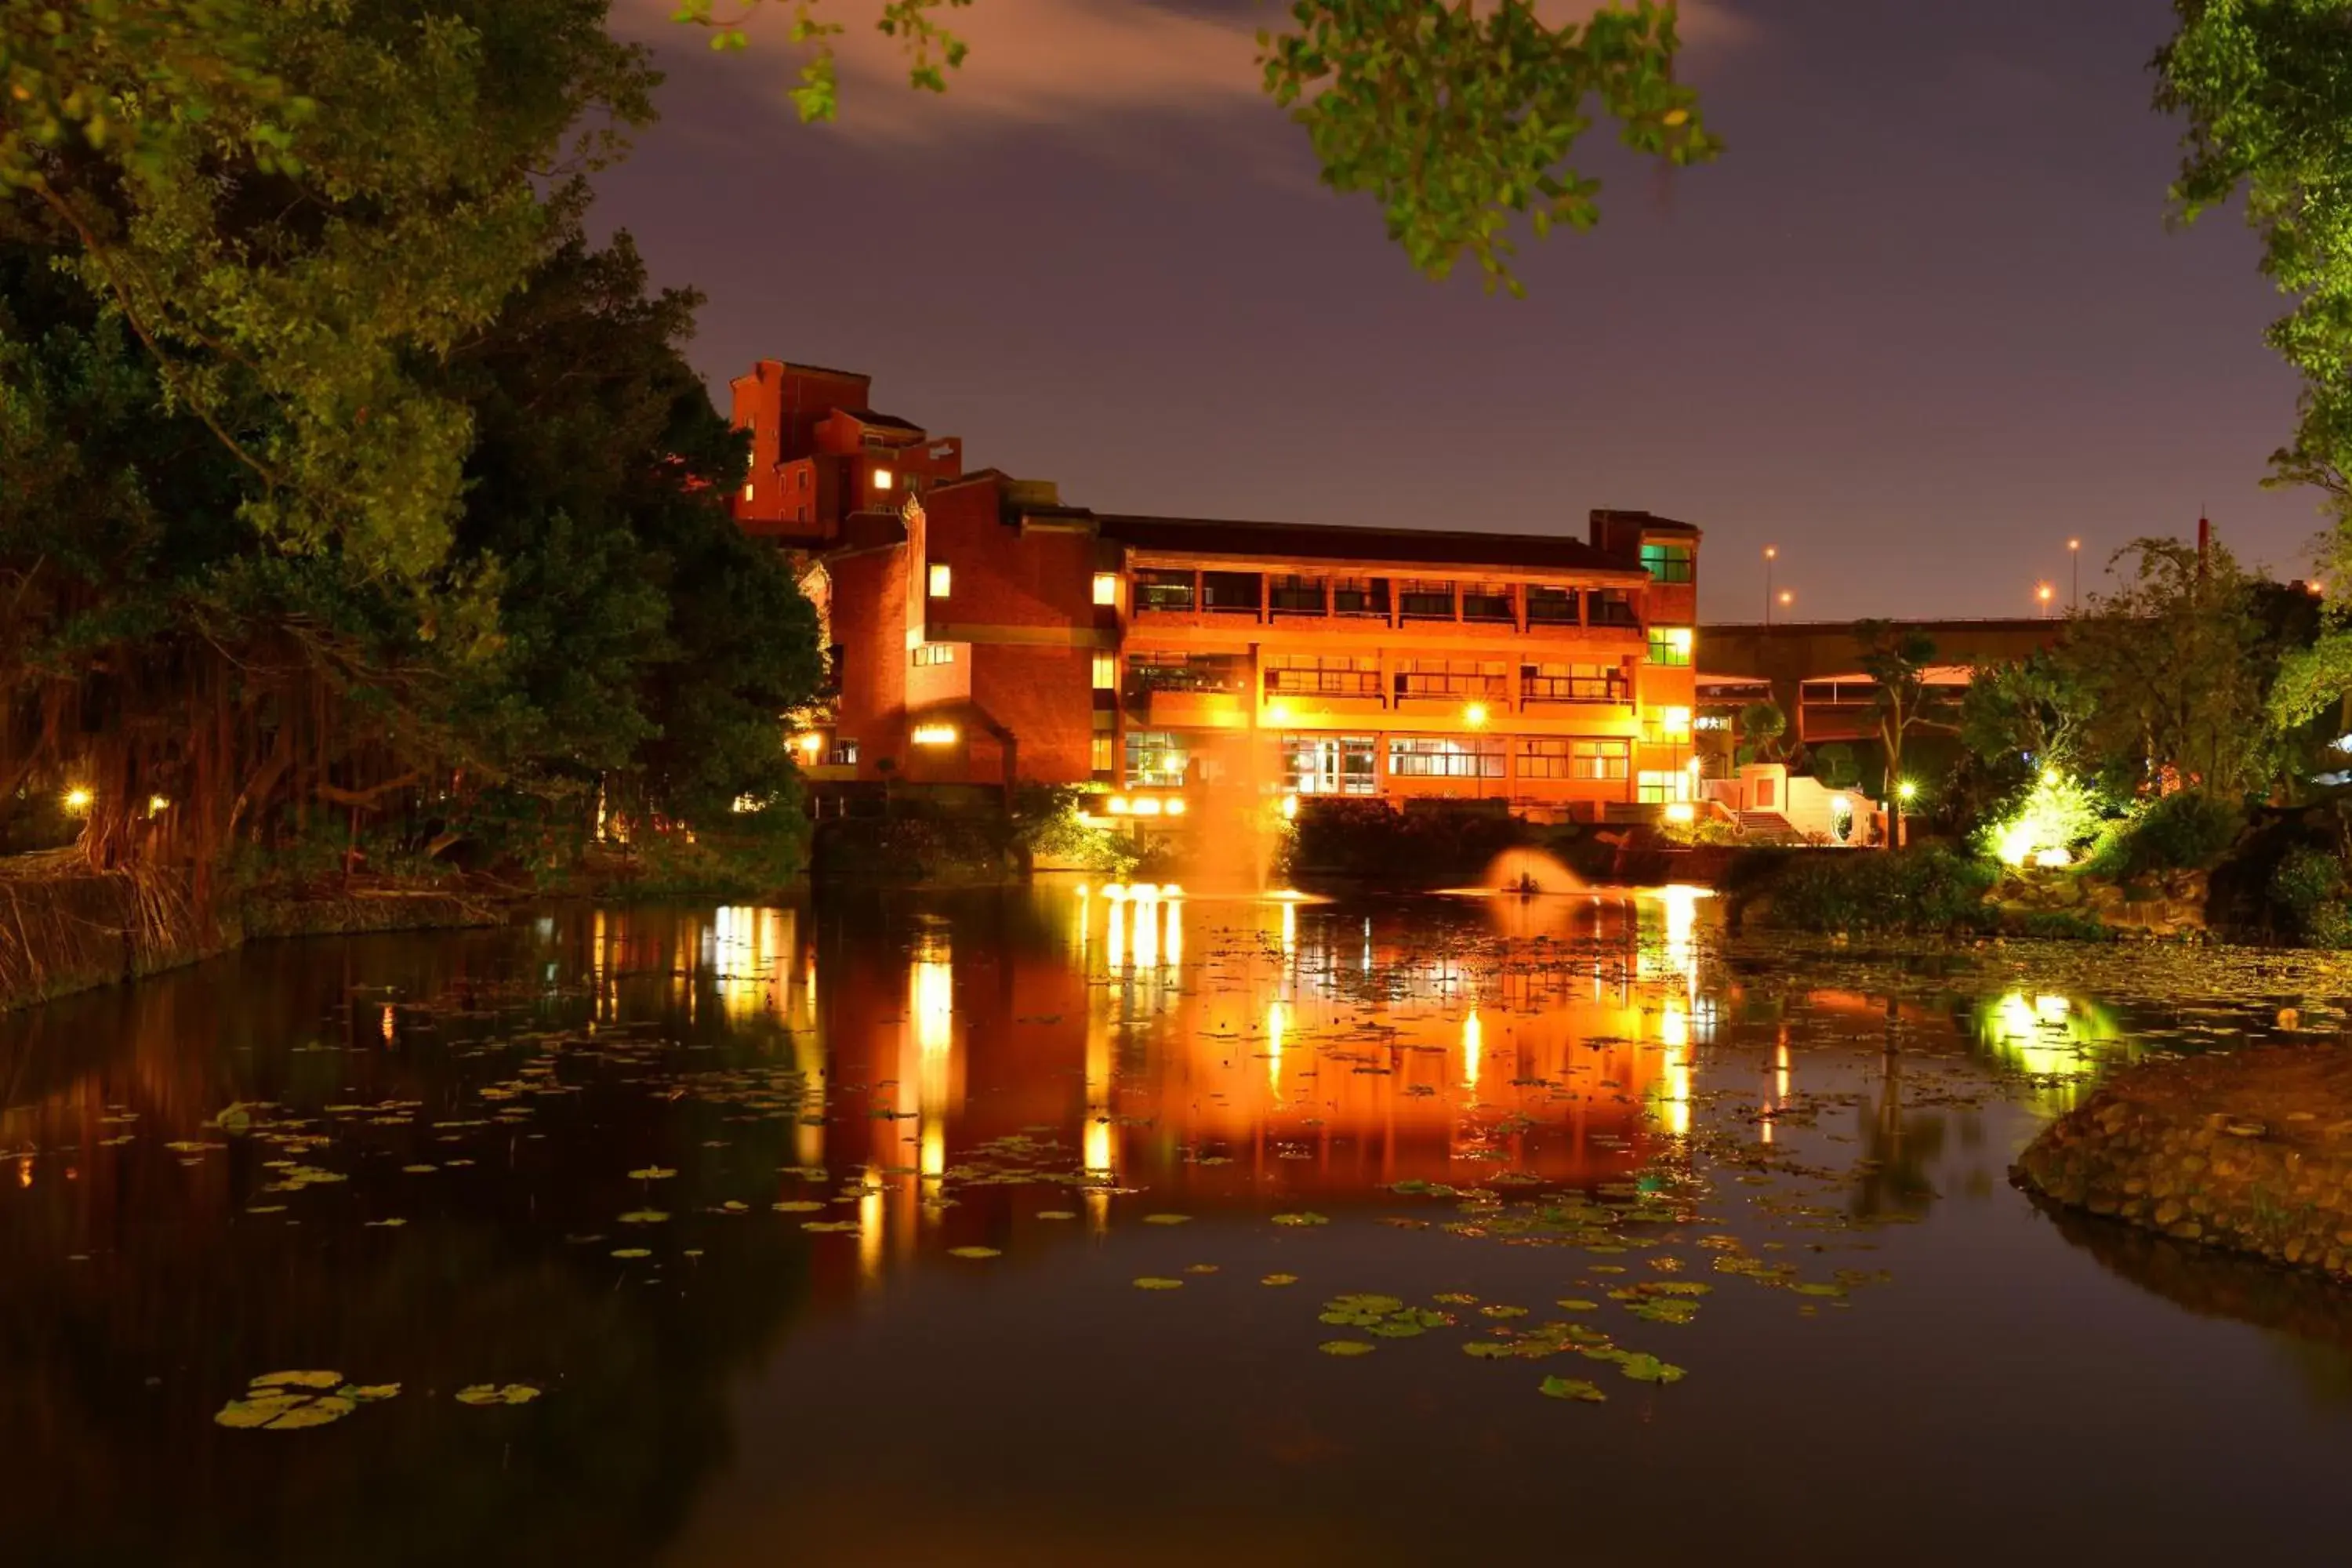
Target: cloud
1066, 64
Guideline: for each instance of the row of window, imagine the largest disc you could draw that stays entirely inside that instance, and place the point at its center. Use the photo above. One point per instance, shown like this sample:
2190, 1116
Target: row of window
1345, 765
1359, 675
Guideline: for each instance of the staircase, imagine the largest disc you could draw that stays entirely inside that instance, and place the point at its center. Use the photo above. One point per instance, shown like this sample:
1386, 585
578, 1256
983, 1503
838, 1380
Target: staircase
1767, 828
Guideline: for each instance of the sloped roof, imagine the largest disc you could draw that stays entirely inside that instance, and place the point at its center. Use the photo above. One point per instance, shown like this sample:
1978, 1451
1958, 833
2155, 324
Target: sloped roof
880, 421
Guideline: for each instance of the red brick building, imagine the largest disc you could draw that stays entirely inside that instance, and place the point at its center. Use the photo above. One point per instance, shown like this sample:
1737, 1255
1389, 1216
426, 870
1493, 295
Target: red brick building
983, 632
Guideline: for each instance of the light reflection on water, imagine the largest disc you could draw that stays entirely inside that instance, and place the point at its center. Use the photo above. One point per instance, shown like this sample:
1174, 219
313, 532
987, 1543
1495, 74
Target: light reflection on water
1222, 1059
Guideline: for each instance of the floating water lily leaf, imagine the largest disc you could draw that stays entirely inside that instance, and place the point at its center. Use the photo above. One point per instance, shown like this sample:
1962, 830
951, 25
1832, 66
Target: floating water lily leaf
1572, 1388
497, 1394
1167, 1219
299, 1380
631, 1252
1347, 1347
368, 1394
1642, 1368
418, 1170
261, 1412
643, 1216
1490, 1349
1158, 1282
1300, 1219
1279, 1280
1577, 1304
797, 1206
314, 1412
974, 1252
393, 1224
829, 1224
1200, 1268
1457, 1298
652, 1173
1504, 1312
1058, 1214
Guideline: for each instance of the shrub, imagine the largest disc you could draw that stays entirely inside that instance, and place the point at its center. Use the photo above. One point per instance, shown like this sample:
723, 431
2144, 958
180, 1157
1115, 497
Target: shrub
2186, 830
1928, 888
2310, 883
1047, 825
1424, 844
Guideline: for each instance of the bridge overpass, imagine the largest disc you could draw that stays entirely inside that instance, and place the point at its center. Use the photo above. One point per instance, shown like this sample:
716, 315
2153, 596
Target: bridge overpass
1786, 654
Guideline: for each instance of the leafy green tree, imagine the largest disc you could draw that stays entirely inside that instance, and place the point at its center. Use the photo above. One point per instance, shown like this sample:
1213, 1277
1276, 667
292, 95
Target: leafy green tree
1457, 118
2021, 718
1897, 658
2175, 669
1763, 729
2265, 87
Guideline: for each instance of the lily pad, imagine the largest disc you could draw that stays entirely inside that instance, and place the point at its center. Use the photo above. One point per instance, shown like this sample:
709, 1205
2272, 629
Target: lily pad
652, 1173
975, 1252
1279, 1280
797, 1206
1058, 1214
1347, 1347
1300, 1219
498, 1393
1167, 1219
643, 1216
1158, 1282
1572, 1388
299, 1380
631, 1252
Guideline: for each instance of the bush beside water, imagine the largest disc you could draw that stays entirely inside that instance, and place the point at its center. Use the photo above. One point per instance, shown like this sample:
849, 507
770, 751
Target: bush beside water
1927, 889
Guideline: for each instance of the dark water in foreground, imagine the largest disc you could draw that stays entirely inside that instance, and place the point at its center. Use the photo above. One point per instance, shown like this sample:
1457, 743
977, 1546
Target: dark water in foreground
1895, 1357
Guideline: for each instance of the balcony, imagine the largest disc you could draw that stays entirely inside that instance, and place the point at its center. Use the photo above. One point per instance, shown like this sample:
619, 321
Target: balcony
1323, 683
1614, 689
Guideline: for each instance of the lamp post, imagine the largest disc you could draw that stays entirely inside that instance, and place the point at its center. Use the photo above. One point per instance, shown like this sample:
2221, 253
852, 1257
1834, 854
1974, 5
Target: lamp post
2074, 557
2043, 592
1771, 554
1474, 714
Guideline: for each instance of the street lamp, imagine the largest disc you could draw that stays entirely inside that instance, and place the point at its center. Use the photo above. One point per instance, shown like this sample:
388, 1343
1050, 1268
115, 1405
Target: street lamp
1788, 598
2042, 591
1475, 715
2075, 555
1771, 554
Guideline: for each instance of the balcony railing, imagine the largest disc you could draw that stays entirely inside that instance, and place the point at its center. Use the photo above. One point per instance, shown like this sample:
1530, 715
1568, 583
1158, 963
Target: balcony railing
1323, 682
1231, 682
1575, 689
1481, 685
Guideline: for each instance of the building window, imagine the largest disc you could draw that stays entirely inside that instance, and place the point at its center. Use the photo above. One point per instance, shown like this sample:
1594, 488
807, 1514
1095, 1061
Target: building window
1437, 757
845, 754
1574, 683
1164, 591
800, 514
932, 653
933, 735
1156, 759
1231, 593
1453, 677
1360, 596
1611, 608
1101, 756
1107, 588
1667, 562
1488, 601
1674, 724
1328, 765
1544, 758
1662, 786
940, 580
1299, 595
1671, 645
1551, 606
1106, 672
803, 479
1602, 760
1425, 599
882, 478
1323, 675
748, 489
1149, 672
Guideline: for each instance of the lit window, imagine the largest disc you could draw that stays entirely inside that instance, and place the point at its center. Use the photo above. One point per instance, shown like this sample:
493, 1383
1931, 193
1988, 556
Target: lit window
934, 735
845, 754
747, 489
1662, 787
1674, 721
1106, 672
1102, 755
938, 580
1106, 587
1670, 645
932, 653
882, 479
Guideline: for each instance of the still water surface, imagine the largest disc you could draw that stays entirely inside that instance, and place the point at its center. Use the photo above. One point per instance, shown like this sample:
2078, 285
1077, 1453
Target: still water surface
819, 1233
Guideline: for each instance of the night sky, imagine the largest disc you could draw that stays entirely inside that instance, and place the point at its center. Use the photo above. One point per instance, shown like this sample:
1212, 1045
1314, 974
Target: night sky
1920, 322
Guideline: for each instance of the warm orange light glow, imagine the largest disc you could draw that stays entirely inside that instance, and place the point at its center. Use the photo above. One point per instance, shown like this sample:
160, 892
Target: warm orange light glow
934, 735
1788, 596
1106, 587
1115, 805
882, 479
78, 799
1475, 715
1681, 811
2074, 544
1175, 808
1674, 721
157, 806
940, 579
1289, 806
1771, 553
1144, 806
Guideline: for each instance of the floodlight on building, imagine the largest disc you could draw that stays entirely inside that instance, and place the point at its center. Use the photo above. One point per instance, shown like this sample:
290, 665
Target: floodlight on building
1106, 587
1906, 790
883, 478
1145, 805
1475, 715
1115, 805
940, 580
1277, 713
934, 735
1175, 808
1681, 811
1289, 806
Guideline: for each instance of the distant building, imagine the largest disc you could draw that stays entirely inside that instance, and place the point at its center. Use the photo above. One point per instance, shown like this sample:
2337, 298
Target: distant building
983, 632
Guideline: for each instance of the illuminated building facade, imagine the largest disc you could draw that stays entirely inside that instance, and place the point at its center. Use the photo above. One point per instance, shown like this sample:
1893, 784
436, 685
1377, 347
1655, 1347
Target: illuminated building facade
982, 633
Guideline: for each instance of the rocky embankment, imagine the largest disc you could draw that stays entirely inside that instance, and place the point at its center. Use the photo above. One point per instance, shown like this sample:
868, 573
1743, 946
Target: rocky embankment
2250, 1151
2161, 904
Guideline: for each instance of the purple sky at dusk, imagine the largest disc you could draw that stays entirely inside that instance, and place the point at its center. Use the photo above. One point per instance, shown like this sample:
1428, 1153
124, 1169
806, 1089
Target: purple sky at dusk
1922, 321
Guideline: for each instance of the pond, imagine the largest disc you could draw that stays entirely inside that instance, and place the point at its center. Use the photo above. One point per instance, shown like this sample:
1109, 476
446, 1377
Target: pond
1107, 1225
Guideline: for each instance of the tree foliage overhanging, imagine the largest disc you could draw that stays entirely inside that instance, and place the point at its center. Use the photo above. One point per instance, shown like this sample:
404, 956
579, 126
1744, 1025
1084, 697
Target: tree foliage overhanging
342, 474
